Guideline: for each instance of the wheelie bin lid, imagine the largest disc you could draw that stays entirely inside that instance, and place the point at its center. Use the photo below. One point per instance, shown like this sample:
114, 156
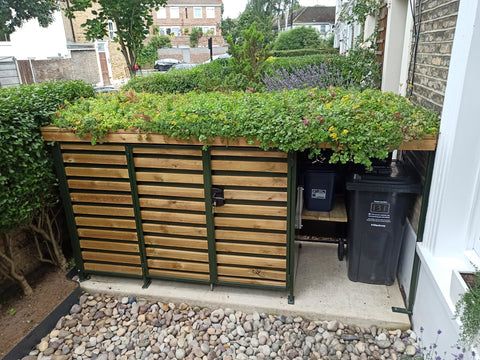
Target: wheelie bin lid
394, 178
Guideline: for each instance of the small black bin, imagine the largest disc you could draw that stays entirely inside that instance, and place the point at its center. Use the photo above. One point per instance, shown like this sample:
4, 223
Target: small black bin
319, 189
379, 202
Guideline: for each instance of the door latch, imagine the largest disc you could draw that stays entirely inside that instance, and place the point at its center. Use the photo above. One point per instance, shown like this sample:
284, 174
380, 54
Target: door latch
218, 199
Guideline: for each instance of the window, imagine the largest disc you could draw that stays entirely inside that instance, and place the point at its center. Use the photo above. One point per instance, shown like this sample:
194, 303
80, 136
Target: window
112, 29
174, 12
197, 12
208, 30
323, 28
210, 12
162, 13
169, 30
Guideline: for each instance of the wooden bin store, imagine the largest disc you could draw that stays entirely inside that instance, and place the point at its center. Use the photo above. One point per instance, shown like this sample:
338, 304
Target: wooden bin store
153, 207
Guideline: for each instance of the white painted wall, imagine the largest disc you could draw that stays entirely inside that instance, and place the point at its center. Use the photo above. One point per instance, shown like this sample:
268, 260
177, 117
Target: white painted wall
31, 41
406, 258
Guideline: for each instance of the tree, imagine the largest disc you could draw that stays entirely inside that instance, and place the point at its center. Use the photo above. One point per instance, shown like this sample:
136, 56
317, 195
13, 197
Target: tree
132, 19
298, 38
13, 13
195, 36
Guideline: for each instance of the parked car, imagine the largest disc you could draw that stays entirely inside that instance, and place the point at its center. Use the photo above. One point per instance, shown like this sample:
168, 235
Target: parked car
183, 66
165, 64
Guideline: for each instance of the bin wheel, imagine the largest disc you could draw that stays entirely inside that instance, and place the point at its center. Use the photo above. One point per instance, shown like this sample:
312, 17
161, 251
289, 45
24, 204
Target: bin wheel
341, 249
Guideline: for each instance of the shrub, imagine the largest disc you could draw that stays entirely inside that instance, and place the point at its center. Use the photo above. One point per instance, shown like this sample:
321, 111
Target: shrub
298, 38
468, 310
303, 52
149, 53
195, 36
358, 124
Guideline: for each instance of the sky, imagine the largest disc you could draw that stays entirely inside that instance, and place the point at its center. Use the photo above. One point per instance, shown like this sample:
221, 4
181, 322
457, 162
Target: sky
234, 7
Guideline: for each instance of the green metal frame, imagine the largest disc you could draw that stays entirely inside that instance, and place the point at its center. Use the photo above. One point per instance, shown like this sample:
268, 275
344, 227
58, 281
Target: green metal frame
291, 201
67, 207
138, 215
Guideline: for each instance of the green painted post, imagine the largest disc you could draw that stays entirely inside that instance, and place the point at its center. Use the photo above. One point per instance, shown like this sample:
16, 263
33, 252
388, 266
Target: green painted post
207, 185
67, 206
291, 213
138, 216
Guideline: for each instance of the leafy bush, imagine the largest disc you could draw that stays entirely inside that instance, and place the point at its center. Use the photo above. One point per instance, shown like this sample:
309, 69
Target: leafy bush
26, 177
468, 310
303, 52
195, 36
298, 38
149, 53
358, 124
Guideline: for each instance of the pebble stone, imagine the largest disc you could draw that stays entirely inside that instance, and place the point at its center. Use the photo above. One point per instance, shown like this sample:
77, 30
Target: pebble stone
103, 327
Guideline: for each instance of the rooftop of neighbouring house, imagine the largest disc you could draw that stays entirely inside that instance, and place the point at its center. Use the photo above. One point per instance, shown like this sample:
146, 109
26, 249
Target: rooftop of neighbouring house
315, 14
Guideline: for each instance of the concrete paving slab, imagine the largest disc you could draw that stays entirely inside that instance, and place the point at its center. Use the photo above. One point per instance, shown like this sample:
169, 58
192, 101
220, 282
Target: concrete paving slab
322, 292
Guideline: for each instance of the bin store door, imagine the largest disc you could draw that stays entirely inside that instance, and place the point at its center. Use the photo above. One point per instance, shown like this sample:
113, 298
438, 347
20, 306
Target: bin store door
375, 233
251, 222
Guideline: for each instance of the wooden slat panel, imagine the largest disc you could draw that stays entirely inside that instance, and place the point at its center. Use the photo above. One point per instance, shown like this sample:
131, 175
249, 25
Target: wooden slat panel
178, 164
251, 261
275, 167
178, 274
173, 217
167, 151
121, 269
228, 279
251, 210
106, 159
251, 223
251, 249
251, 273
110, 257
178, 254
170, 191
176, 242
107, 245
107, 234
172, 204
104, 222
225, 180
249, 153
178, 265
97, 172
255, 195
338, 213
99, 185
101, 198
102, 210
92, 147
169, 177
233, 235
174, 229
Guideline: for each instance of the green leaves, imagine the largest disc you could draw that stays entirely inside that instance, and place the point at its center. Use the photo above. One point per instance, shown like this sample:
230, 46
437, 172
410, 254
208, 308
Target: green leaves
359, 125
13, 13
298, 38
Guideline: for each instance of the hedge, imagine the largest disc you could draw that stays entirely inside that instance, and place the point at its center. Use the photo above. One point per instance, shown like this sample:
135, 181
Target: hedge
360, 125
26, 177
303, 52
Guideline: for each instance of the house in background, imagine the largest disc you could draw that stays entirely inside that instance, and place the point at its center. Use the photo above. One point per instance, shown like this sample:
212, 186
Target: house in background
321, 18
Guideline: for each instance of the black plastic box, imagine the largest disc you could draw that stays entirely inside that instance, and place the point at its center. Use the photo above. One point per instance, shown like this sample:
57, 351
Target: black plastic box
319, 190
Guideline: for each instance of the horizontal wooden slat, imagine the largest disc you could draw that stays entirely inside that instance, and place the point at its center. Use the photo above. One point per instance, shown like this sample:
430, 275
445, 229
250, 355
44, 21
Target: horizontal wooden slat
234, 235
251, 223
172, 204
110, 257
251, 210
107, 234
99, 185
228, 279
167, 151
121, 269
177, 254
252, 181
106, 159
251, 249
170, 191
108, 245
178, 265
272, 167
177, 164
104, 222
173, 217
169, 177
248, 153
92, 147
255, 195
337, 214
174, 229
176, 242
179, 274
224, 259
102, 210
101, 198
251, 273
96, 172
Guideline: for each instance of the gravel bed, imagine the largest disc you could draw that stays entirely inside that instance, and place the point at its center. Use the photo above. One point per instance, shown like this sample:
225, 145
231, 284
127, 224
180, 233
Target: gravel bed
106, 328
